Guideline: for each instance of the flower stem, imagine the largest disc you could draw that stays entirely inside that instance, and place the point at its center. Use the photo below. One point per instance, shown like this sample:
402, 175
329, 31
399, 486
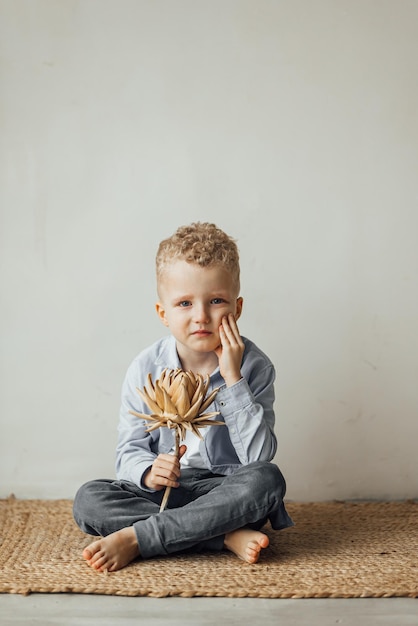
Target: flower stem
168, 489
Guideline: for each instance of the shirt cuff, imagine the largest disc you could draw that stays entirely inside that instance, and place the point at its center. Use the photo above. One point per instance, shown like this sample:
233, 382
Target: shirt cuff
234, 398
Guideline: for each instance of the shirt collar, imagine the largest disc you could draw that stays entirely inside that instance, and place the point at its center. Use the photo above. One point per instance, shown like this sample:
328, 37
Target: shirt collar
167, 355
169, 358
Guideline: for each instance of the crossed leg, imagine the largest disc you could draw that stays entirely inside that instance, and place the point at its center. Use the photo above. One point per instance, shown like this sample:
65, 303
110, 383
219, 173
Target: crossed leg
118, 549
128, 524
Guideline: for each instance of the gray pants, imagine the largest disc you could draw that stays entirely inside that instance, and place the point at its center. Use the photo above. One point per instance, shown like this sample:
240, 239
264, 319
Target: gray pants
200, 511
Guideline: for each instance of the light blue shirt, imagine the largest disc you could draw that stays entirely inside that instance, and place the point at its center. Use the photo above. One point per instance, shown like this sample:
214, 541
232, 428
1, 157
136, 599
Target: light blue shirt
246, 408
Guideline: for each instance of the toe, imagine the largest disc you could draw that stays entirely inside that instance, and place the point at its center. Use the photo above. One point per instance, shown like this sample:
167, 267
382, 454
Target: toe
87, 554
100, 562
252, 553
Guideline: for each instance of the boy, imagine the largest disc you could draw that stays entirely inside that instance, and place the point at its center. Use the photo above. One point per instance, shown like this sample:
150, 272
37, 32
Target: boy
224, 488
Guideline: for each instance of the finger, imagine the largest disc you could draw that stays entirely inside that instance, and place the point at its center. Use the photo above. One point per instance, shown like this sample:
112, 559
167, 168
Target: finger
228, 330
172, 472
182, 450
165, 480
235, 331
234, 327
165, 458
167, 470
223, 338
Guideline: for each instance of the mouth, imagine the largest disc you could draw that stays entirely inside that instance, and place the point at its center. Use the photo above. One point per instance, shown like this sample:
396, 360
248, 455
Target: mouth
201, 333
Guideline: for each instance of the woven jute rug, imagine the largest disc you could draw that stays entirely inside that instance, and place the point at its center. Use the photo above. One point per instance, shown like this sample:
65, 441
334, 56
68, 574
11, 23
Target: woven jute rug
335, 550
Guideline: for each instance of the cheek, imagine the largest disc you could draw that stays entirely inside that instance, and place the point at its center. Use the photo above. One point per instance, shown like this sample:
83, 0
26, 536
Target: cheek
171, 319
223, 313
219, 316
216, 339
232, 309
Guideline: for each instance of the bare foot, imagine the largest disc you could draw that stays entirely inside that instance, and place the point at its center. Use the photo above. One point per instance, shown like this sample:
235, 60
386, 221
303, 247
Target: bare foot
246, 543
112, 552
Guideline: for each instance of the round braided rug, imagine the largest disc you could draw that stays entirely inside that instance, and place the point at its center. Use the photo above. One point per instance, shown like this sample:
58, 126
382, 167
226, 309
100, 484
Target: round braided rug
335, 550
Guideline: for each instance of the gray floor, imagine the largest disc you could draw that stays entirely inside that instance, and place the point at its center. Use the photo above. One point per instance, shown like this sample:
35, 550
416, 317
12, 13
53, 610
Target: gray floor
85, 610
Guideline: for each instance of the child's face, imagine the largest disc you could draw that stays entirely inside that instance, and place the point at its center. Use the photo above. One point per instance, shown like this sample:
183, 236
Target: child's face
194, 300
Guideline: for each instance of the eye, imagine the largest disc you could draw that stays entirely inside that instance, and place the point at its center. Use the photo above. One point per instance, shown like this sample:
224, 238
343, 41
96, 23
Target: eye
217, 301
184, 303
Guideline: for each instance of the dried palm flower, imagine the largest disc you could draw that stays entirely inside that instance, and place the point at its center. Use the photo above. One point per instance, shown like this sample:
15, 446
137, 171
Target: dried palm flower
178, 401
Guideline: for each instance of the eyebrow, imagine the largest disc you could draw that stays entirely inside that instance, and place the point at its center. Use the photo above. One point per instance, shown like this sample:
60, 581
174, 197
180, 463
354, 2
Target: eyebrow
182, 296
214, 294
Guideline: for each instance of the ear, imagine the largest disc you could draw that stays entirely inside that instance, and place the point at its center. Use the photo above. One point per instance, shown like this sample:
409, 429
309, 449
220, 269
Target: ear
161, 313
238, 312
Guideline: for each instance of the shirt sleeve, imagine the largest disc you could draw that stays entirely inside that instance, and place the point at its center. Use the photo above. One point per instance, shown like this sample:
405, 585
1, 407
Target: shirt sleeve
247, 409
134, 451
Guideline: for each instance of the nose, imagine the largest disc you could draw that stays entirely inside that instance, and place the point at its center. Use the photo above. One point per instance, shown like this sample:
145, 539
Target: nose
200, 314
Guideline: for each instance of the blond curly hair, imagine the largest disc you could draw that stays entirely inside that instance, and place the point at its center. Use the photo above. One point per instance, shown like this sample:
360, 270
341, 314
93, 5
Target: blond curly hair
201, 243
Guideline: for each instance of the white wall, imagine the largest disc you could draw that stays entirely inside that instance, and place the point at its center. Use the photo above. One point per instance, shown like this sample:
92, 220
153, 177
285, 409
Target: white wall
293, 125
